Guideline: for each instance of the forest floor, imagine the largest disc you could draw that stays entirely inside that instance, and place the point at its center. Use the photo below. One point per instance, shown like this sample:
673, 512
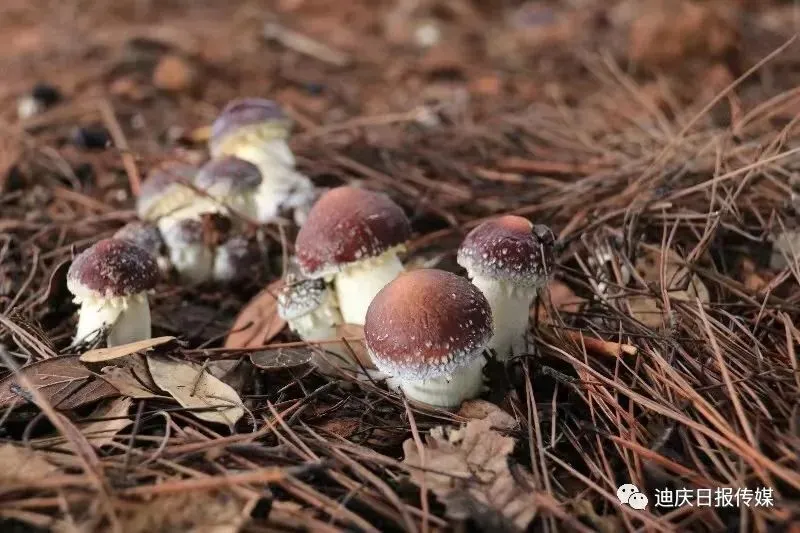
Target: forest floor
658, 139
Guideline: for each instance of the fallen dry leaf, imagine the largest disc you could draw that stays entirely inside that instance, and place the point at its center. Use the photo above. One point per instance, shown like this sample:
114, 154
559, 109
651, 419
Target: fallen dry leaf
190, 512
184, 381
132, 377
647, 309
258, 322
354, 333
63, 381
102, 432
127, 382
483, 410
20, 465
281, 358
101, 355
562, 298
476, 481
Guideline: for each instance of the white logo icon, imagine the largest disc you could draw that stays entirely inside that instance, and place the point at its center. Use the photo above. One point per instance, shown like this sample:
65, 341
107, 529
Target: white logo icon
629, 494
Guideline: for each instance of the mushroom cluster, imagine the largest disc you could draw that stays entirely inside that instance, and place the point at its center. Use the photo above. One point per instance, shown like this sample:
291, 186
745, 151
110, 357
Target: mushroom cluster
195, 221
352, 238
346, 251
250, 177
256, 131
426, 329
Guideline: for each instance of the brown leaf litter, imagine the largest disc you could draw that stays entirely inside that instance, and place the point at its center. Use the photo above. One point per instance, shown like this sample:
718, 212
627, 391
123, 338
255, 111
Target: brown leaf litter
194, 387
64, 382
468, 470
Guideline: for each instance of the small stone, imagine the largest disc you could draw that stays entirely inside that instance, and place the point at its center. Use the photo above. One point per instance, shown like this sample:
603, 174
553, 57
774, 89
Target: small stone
94, 137
174, 74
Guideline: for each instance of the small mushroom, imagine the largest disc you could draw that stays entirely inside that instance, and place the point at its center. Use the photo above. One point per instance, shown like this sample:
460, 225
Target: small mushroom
236, 259
309, 307
508, 259
189, 251
110, 281
252, 128
427, 329
146, 236
232, 184
353, 236
165, 196
257, 130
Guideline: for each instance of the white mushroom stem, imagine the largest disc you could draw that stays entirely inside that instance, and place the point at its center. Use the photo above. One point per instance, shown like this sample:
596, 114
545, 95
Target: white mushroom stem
126, 318
193, 262
511, 306
446, 391
259, 152
357, 284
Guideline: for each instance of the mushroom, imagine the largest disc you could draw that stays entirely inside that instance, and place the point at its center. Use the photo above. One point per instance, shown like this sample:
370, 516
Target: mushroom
427, 329
508, 259
252, 128
353, 236
309, 307
256, 130
165, 196
189, 252
237, 259
110, 281
146, 236
232, 184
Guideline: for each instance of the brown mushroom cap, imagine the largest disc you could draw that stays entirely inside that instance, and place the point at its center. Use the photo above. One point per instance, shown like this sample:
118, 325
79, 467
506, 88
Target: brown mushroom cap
167, 180
247, 114
228, 175
112, 268
427, 323
141, 234
509, 248
346, 225
300, 298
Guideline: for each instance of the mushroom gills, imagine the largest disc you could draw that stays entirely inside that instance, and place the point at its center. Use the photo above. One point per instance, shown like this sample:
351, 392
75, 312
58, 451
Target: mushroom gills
446, 391
511, 313
319, 324
127, 319
358, 283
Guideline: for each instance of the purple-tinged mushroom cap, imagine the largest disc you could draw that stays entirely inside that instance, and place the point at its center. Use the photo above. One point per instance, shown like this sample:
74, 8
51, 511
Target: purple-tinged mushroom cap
112, 268
509, 248
228, 175
256, 117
